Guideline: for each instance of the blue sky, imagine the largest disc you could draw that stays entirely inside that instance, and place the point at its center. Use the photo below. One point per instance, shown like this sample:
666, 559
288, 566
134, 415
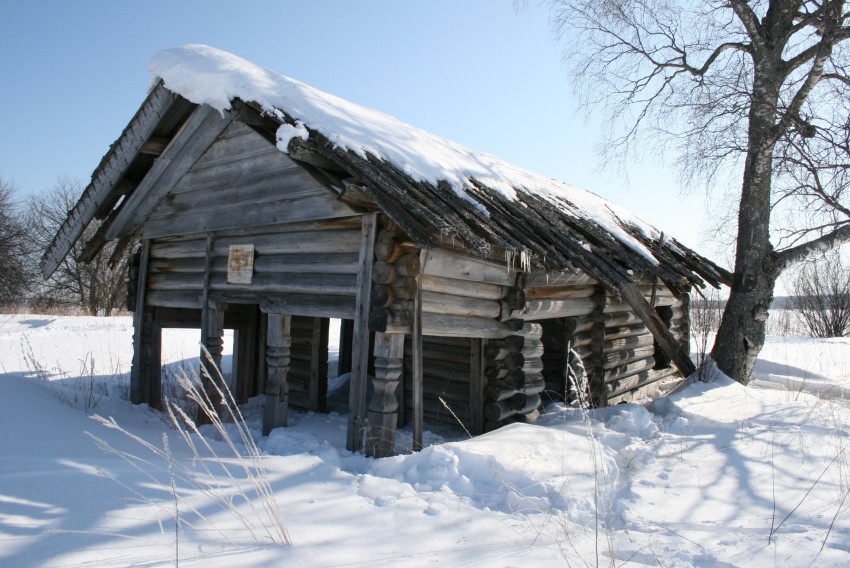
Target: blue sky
474, 71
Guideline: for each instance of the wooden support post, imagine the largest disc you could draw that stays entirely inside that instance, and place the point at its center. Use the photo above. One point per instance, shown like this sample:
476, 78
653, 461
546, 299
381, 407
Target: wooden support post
212, 339
319, 365
139, 387
245, 357
279, 343
417, 369
477, 384
346, 333
153, 354
383, 408
360, 347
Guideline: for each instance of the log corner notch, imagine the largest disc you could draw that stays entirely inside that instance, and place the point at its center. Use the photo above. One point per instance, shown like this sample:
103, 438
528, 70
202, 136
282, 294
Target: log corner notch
678, 353
393, 300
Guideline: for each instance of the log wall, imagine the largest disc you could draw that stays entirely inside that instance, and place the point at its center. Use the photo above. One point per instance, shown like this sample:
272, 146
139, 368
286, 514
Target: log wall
241, 181
308, 366
446, 375
622, 359
310, 268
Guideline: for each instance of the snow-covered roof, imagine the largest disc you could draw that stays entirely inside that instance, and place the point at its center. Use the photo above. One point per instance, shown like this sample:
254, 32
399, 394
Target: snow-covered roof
489, 187
431, 186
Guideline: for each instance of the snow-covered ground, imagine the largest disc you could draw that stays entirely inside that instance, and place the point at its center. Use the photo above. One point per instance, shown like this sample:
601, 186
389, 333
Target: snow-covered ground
715, 475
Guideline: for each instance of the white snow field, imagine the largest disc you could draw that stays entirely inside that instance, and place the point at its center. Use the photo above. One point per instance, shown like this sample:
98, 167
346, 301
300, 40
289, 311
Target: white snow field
717, 475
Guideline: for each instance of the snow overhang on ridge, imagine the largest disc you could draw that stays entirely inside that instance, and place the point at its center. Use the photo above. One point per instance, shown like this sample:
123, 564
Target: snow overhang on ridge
205, 75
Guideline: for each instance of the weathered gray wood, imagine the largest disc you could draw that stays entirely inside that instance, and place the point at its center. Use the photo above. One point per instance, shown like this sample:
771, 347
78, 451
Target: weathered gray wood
538, 279
519, 404
477, 383
679, 356
461, 267
549, 309
642, 384
417, 361
383, 408
464, 326
324, 263
319, 365
437, 303
205, 282
360, 348
239, 214
294, 242
171, 299
559, 292
310, 305
190, 142
631, 342
628, 369
245, 359
443, 285
108, 174
138, 380
303, 283
278, 344
613, 359
620, 332
242, 181
212, 330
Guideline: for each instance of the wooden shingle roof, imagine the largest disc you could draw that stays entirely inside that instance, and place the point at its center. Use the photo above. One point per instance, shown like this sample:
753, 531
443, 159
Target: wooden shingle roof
434, 189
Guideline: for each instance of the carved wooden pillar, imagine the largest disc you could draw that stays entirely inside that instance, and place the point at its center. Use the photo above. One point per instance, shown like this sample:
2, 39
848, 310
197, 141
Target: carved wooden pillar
383, 408
278, 346
212, 332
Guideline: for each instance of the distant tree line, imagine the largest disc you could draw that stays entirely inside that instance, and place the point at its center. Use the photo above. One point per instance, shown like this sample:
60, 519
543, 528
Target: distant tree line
26, 229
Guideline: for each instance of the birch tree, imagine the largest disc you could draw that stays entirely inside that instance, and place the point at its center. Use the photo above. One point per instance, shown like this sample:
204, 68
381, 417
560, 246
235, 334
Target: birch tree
761, 88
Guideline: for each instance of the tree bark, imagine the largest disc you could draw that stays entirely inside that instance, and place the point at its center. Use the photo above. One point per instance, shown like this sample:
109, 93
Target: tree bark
741, 334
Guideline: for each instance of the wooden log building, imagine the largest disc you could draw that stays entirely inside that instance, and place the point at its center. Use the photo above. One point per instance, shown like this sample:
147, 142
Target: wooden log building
470, 292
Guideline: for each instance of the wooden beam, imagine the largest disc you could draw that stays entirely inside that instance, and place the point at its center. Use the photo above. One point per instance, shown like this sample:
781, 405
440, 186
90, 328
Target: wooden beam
154, 146
383, 408
107, 175
278, 350
191, 141
303, 151
672, 348
452, 265
360, 348
417, 365
477, 384
138, 390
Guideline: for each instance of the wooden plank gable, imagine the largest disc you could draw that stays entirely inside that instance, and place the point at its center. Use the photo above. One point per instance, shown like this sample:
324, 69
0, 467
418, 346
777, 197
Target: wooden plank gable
242, 181
98, 194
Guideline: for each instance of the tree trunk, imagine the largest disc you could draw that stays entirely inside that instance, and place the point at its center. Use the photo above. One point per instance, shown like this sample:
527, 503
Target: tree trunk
742, 330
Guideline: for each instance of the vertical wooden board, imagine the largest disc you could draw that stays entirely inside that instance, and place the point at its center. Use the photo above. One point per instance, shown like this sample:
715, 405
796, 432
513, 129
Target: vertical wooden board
213, 345
383, 407
319, 365
346, 333
360, 347
155, 367
245, 357
278, 341
416, 382
137, 389
477, 384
